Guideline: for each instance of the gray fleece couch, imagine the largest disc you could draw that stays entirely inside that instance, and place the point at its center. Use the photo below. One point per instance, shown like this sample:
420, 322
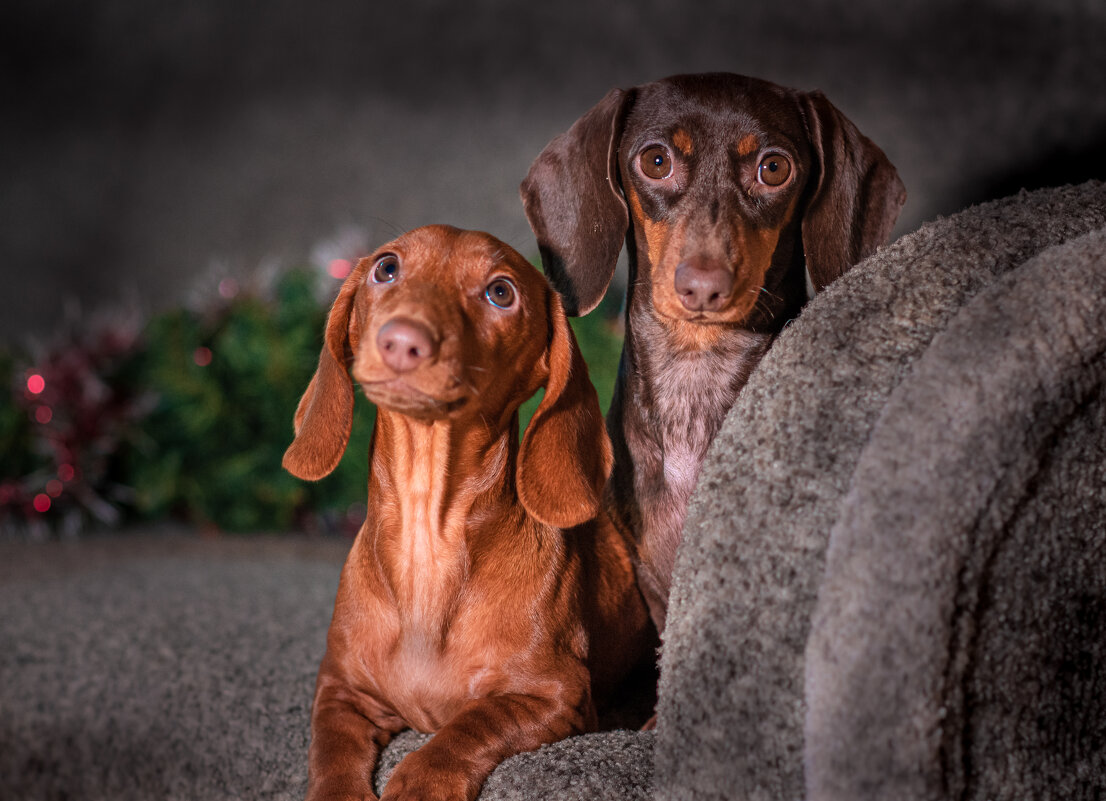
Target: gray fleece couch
892, 585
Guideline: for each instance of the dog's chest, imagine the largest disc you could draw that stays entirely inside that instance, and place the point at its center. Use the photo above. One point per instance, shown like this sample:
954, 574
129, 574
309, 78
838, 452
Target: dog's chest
422, 670
684, 394
691, 395
428, 683
685, 398
420, 629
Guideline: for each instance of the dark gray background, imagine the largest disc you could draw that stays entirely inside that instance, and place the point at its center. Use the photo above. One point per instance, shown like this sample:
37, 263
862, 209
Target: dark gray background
147, 149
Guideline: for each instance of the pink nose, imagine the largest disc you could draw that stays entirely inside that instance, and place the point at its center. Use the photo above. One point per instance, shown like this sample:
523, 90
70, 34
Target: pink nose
405, 344
703, 285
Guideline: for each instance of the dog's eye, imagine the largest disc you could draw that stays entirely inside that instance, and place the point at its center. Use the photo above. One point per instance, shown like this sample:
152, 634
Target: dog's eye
385, 270
656, 162
501, 293
774, 170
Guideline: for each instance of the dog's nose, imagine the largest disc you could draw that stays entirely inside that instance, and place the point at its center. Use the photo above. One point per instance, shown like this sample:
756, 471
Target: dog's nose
703, 285
405, 344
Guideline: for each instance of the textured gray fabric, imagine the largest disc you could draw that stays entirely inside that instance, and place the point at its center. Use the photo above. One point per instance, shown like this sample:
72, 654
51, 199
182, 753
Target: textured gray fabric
962, 614
606, 765
160, 667
731, 708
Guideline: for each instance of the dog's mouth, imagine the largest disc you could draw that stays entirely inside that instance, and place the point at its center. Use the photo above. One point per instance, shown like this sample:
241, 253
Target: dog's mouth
695, 317
727, 317
398, 395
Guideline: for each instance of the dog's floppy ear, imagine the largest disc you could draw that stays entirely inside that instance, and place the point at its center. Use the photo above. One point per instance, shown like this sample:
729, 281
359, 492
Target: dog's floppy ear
575, 206
856, 198
324, 416
565, 457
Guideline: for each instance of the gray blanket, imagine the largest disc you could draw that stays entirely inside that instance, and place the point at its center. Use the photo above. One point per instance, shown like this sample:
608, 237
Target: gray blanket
892, 585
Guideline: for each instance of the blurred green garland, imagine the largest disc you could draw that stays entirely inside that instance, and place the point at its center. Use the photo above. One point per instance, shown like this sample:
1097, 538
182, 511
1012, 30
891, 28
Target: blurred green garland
187, 417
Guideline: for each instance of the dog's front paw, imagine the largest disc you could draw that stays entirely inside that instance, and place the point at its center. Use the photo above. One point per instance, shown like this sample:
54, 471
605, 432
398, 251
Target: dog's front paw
425, 788
341, 796
432, 777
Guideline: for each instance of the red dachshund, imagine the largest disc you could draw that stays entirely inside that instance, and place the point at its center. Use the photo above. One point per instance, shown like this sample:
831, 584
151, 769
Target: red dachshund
485, 598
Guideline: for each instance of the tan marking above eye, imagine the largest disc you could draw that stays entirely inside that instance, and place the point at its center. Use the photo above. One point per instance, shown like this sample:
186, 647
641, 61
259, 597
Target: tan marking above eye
774, 170
655, 162
747, 145
682, 140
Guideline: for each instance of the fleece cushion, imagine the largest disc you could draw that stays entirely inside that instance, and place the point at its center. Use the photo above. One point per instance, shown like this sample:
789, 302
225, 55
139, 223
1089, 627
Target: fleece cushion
732, 706
961, 623
612, 764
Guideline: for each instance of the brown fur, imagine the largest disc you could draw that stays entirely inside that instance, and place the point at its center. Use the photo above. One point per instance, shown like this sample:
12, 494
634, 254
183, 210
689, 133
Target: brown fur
719, 260
465, 606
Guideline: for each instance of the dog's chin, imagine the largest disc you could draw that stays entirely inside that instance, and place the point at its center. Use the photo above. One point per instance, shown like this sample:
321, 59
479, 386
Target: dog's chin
396, 395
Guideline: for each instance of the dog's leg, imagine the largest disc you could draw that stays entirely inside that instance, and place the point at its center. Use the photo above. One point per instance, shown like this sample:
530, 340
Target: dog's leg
455, 763
346, 740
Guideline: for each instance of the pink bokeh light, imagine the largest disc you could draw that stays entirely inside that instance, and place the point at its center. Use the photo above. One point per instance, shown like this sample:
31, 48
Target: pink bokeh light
339, 268
228, 288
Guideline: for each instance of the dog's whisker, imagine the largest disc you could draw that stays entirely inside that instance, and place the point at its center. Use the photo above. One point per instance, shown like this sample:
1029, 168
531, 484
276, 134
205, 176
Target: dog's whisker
460, 379
764, 291
388, 224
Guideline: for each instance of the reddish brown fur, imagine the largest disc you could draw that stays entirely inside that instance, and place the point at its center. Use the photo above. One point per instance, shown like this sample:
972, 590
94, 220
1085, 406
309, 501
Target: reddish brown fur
464, 608
719, 260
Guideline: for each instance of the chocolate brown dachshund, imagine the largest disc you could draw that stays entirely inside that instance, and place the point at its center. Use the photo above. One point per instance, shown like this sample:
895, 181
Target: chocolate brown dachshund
486, 597
737, 200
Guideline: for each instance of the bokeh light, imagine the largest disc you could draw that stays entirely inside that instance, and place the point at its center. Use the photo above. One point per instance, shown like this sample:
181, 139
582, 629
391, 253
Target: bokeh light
202, 356
35, 384
44, 414
340, 268
54, 488
42, 502
228, 288
66, 472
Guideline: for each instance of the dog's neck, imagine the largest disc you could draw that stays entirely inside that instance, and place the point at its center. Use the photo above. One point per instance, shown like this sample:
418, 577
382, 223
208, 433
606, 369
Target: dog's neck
434, 488
433, 477
677, 396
